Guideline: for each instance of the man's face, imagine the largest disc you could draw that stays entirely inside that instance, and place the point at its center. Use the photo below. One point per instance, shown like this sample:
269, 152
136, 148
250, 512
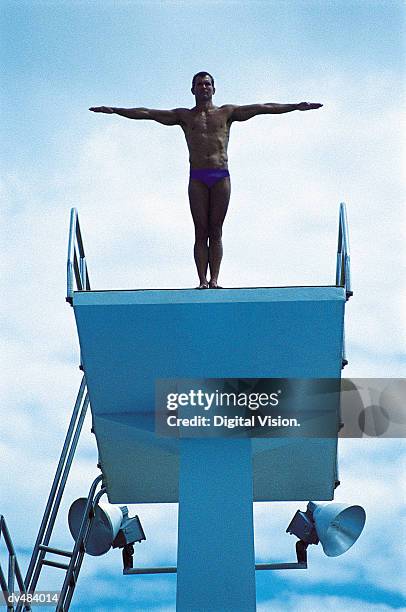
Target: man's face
203, 88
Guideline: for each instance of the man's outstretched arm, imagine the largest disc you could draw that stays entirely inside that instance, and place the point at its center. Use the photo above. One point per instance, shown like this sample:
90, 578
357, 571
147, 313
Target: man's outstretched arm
166, 117
242, 113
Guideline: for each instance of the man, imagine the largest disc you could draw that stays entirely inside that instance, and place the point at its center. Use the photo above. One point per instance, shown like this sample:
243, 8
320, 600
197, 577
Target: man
207, 129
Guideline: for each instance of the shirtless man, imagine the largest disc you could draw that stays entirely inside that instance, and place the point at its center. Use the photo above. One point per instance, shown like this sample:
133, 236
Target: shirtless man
207, 129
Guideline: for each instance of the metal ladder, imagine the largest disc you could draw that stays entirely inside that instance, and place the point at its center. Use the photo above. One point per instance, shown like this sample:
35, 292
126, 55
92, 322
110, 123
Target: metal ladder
41, 547
77, 274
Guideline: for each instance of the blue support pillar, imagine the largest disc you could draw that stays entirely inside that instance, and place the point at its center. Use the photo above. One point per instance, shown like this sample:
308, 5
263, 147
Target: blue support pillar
216, 561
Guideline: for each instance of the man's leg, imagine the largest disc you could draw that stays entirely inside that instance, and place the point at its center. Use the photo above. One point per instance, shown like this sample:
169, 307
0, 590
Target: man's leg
199, 206
219, 199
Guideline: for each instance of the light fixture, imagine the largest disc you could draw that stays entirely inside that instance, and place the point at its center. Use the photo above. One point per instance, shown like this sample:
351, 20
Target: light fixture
111, 527
336, 526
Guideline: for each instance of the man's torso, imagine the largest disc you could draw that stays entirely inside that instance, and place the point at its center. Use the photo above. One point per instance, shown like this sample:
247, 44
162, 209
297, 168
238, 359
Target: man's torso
207, 133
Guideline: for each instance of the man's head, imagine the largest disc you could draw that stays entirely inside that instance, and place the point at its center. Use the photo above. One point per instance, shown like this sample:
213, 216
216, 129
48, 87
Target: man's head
203, 85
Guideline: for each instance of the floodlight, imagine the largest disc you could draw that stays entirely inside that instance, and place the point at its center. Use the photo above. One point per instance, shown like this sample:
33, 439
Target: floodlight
336, 526
111, 527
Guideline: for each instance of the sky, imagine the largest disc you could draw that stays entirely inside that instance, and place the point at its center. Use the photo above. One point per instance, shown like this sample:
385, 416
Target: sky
128, 181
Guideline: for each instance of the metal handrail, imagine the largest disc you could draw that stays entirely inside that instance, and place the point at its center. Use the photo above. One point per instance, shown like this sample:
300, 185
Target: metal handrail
76, 265
7, 586
343, 273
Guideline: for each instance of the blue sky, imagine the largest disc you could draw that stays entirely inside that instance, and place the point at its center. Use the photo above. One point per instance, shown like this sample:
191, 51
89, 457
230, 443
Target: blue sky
128, 180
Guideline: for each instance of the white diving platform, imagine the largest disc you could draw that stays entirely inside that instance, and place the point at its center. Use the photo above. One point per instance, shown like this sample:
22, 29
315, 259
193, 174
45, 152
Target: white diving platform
129, 339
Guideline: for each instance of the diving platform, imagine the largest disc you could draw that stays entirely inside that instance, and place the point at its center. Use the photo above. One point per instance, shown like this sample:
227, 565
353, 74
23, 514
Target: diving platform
130, 339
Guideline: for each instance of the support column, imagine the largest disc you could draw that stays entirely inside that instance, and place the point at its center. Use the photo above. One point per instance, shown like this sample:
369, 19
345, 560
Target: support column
216, 560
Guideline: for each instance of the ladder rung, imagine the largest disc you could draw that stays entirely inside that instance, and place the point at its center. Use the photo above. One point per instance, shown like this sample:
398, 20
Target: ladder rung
63, 566
55, 551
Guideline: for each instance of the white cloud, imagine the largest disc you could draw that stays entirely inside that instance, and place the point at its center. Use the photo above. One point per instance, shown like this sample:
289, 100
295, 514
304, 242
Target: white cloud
308, 603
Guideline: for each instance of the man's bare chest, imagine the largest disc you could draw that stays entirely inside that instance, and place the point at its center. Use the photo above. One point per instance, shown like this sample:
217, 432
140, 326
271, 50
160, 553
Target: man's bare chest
213, 123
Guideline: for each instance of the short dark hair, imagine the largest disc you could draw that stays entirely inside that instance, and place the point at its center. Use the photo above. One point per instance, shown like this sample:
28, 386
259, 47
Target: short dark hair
202, 74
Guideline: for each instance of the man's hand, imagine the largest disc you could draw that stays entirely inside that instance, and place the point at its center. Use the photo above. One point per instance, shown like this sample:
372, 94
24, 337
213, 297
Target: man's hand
303, 106
102, 109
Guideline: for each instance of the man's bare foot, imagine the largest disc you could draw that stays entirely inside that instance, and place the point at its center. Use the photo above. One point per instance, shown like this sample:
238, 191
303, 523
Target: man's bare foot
213, 285
203, 285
